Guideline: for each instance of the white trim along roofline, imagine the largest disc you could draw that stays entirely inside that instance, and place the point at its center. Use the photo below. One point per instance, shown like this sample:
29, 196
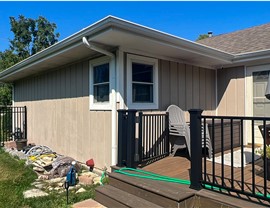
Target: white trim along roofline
107, 22
114, 22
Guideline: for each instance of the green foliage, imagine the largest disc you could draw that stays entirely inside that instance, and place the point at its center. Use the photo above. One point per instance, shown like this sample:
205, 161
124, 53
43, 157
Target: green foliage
30, 37
23, 28
202, 36
5, 94
261, 152
43, 35
8, 59
17, 178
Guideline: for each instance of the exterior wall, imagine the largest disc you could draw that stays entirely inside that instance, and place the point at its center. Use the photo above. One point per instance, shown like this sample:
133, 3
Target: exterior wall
58, 114
231, 91
187, 86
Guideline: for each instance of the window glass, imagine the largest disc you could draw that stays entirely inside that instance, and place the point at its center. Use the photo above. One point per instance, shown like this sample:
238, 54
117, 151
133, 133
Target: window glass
142, 72
142, 83
101, 73
101, 83
101, 93
142, 93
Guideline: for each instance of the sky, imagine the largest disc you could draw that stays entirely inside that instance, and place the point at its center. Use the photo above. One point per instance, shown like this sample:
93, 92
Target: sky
184, 19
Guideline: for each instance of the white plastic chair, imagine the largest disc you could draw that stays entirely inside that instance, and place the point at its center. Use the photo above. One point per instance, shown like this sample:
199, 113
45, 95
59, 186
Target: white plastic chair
180, 128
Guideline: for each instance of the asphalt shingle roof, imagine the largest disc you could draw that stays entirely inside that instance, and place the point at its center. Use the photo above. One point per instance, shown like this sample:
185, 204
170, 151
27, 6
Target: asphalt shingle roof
248, 40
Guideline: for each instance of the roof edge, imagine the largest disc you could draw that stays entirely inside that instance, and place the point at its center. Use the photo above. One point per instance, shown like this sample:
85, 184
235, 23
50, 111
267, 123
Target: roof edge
110, 21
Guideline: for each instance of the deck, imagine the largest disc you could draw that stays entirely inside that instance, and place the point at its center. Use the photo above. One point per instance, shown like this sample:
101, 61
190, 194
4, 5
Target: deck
179, 167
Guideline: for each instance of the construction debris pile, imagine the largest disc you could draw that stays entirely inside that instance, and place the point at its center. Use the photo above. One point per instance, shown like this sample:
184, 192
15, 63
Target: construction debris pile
48, 163
53, 168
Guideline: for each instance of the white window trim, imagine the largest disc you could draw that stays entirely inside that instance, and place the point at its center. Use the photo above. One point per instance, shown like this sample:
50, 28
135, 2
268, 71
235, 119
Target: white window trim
92, 64
144, 60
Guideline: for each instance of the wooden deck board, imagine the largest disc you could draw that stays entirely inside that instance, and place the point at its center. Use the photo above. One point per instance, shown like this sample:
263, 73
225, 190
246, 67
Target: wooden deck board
179, 166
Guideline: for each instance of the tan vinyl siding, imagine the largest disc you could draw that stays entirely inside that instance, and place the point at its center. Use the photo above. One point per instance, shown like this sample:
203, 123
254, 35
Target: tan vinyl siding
186, 86
58, 114
231, 91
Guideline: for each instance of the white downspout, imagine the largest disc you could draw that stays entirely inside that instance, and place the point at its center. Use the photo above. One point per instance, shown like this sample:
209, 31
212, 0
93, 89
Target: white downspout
113, 97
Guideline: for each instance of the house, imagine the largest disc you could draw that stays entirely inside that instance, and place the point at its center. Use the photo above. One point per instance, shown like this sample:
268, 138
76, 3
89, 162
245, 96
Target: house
73, 89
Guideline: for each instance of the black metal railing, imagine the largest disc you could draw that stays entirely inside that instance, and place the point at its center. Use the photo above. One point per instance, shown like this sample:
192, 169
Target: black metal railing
13, 123
229, 135
153, 137
142, 137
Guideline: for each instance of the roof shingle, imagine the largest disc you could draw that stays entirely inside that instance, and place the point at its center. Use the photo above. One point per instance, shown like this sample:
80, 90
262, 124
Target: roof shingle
248, 40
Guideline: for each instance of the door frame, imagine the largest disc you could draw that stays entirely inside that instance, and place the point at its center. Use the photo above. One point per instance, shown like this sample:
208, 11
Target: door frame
249, 91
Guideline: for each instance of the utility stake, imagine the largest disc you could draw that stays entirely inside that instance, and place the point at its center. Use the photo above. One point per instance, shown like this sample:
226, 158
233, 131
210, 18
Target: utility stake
67, 187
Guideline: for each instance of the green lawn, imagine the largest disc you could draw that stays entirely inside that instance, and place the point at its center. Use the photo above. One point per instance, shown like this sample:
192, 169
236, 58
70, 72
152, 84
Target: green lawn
15, 178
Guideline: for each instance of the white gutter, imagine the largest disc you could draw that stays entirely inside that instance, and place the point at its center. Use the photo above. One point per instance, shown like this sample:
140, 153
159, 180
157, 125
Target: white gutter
251, 56
113, 101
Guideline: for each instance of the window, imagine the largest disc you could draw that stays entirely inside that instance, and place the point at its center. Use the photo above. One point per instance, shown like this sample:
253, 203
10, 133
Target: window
142, 83
100, 84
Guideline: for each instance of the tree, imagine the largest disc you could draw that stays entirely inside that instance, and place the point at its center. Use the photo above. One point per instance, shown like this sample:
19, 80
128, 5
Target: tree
44, 35
202, 36
30, 37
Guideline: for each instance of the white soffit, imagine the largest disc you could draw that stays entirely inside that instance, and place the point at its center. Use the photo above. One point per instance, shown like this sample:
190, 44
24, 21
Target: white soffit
114, 32
125, 39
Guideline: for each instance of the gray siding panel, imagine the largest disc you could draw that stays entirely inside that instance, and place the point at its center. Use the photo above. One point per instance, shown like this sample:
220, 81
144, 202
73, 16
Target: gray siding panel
187, 86
231, 91
59, 116
181, 75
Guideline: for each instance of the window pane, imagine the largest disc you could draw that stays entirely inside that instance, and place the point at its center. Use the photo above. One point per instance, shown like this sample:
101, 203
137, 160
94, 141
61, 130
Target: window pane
142, 73
101, 93
101, 73
142, 93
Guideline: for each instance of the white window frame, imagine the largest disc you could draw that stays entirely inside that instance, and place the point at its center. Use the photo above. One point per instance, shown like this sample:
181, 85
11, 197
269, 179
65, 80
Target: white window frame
99, 105
142, 60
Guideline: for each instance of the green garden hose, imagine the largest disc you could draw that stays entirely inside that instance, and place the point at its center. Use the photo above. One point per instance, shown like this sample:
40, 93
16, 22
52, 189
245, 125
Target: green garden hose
157, 177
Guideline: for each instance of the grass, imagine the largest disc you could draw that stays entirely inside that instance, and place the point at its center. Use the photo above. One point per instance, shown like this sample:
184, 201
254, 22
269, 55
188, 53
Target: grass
15, 178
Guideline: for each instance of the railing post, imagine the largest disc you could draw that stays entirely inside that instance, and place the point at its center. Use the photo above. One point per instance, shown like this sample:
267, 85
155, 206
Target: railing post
140, 150
196, 148
25, 123
131, 125
167, 133
122, 135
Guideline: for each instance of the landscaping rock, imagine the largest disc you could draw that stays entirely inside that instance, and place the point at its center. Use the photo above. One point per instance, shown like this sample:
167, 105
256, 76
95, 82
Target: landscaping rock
88, 173
39, 186
86, 180
50, 188
43, 177
10, 144
96, 180
34, 193
57, 188
61, 184
57, 180
81, 190
19, 154
38, 169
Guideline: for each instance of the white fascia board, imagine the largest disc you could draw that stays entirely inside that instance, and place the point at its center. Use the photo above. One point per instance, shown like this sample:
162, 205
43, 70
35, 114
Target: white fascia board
166, 37
65, 44
111, 21
11, 71
251, 56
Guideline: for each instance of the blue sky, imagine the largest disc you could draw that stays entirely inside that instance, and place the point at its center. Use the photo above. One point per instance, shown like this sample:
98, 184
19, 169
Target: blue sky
184, 19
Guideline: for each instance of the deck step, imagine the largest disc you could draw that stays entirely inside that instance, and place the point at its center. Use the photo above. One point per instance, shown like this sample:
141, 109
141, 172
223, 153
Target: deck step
113, 197
164, 194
